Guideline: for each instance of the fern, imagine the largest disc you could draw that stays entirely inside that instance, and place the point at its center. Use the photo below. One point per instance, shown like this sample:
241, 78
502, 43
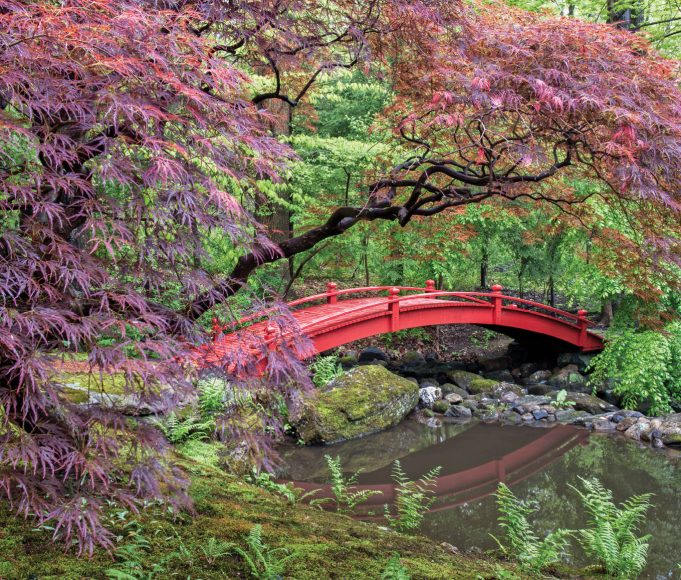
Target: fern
325, 369
412, 498
611, 539
292, 494
394, 570
264, 563
342, 488
522, 543
190, 428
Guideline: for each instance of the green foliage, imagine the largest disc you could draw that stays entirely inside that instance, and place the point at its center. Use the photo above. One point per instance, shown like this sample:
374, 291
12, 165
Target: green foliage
325, 369
394, 570
214, 549
342, 488
190, 428
264, 563
561, 401
643, 366
412, 498
611, 538
292, 494
522, 543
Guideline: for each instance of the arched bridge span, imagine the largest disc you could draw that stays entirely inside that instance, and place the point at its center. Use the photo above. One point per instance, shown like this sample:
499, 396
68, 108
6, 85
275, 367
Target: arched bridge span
338, 317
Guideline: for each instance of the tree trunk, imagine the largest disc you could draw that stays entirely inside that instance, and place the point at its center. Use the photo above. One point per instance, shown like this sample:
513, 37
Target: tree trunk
607, 313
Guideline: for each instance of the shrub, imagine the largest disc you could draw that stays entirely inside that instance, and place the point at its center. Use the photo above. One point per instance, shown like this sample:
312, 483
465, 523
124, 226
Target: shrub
643, 366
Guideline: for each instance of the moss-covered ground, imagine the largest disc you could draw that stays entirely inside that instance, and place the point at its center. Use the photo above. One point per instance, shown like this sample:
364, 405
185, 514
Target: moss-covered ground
323, 544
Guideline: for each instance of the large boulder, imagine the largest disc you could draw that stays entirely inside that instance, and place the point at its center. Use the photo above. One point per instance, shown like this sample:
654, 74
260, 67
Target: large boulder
590, 403
428, 396
471, 382
365, 400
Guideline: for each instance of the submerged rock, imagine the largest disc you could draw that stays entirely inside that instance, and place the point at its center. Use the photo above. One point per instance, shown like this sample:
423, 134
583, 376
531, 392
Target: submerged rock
365, 400
459, 412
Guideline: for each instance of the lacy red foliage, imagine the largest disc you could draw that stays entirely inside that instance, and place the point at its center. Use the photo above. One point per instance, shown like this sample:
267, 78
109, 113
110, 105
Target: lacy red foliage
116, 121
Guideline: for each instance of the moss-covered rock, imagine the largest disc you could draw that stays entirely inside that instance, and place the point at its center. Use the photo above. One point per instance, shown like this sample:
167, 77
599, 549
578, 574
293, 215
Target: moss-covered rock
479, 386
441, 406
365, 400
462, 379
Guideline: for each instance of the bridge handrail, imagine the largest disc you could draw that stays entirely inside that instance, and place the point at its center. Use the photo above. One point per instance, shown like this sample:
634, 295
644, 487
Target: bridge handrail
481, 298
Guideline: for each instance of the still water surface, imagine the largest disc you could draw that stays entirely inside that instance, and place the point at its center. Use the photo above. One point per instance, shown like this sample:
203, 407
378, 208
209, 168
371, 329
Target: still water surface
538, 463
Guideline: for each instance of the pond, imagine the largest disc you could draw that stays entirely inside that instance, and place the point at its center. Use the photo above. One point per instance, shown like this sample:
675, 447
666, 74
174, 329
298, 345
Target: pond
537, 463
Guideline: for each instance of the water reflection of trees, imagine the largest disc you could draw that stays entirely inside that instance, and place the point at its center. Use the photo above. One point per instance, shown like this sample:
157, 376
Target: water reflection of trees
621, 465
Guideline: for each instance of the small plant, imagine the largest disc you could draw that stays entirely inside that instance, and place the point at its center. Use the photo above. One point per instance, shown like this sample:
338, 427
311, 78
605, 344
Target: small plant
482, 338
263, 562
522, 544
611, 539
341, 487
215, 549
132, 557
561, 401
190, 428
412, 498
394, 570
292, 494
325, 369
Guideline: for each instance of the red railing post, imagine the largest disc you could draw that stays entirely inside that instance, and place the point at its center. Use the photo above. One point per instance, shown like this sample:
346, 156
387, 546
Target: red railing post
430, 286
394, 307
583, 323
215, 329
332, 291
496, 302
271, 337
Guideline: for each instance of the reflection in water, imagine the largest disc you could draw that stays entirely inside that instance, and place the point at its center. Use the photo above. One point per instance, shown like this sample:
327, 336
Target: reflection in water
539, 464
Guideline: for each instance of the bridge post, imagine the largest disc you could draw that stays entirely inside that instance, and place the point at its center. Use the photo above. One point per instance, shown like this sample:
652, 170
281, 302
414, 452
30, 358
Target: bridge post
215, 329
332, 291
394, 307
583, 323
496, 302
270, 337
430, 286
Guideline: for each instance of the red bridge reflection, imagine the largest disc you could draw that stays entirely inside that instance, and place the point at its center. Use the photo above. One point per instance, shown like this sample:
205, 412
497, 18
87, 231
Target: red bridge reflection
474, 463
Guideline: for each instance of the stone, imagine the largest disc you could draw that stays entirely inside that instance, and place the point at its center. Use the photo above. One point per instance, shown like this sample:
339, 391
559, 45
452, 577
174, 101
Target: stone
470, 404
412, 357
481, 386
537, 377
428, 382
347, 361
453, 398
449, 388
365, 400
502, 375
590, 403
603, 425
569, 415
527, 417
539, 414
131, 405
540, 389
372, 354
526, 369
625, 423
459, 412
501, 389
635, 431
568, 378
497, 363
428, 396
462, 379
441, 406
511, 418
579, 359
449, 548
508, 397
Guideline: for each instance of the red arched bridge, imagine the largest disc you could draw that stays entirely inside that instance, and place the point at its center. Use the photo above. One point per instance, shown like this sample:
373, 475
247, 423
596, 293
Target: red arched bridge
338, 317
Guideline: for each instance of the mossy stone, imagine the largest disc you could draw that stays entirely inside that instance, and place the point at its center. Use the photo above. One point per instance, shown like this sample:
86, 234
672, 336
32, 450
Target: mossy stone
365, 400
480, 385
441, 406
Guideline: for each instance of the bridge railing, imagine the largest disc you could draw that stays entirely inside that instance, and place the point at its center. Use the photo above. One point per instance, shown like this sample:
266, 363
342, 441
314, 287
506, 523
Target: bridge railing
395, 297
